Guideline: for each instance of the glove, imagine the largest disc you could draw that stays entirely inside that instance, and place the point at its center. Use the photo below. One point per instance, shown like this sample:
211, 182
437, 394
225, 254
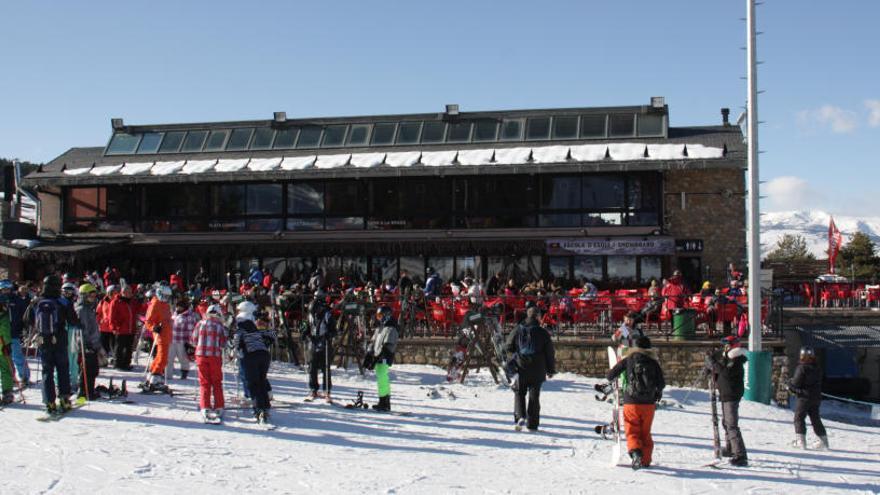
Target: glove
157, 330
190, 349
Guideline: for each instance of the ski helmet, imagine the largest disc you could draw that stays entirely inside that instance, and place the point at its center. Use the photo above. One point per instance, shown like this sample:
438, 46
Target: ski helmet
87, 289
112, 289
6, 284
429, 270
214, 310
163, 293
246, 307
383, 312
808, 354
68, 287
52, 285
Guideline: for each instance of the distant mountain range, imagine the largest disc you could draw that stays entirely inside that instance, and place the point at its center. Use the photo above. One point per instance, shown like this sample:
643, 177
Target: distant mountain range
812, 225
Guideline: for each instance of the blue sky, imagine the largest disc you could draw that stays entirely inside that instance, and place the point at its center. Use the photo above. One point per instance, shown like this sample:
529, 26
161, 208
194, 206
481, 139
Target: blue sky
68, 67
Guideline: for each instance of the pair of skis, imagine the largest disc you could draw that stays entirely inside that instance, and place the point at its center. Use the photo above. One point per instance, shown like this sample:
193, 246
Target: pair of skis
612, 430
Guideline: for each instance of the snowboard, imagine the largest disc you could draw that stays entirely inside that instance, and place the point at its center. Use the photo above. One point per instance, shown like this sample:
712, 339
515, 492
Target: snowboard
501, 352
617, 411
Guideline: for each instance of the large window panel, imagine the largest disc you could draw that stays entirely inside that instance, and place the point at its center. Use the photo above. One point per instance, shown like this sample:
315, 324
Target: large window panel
309, 136
123, 144
216, 140
229, 200
305, 198
538, 128
414, 266
358, 135
520, 268
172, 141
622, 268
409, 132
558, 267
468, 266
263, 137
383, 134
651, 124
334, 136
174, 200
512, 129
651, 268
264, 199
588, 267
486, 130
150, 143
239, 139
344, 197
459, 132
603, 191
622, 125
644, 192
194, 141
444, 266
382, 269
565, 127
434, 132
385, 199
84, 202
561, 192
285, 138
593, 126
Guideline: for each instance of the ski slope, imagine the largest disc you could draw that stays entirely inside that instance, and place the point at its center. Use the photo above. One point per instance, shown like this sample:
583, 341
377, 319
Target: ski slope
458, 439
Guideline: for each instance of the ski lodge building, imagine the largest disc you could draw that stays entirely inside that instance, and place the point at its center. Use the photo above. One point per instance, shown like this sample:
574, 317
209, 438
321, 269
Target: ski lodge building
615, 195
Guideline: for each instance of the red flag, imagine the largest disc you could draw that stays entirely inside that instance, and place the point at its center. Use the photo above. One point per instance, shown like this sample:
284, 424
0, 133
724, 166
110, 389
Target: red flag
835, 241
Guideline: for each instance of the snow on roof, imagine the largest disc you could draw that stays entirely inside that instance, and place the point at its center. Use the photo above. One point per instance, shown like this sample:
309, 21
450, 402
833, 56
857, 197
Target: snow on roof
367, 160
136, 168
233, 165
401, 159
166, 168
264, 164
198, 166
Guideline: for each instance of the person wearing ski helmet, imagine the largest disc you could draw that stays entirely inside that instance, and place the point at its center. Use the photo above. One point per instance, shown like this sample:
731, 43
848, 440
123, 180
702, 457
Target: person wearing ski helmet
183, 323
645, 384
534, 361
50, 314
104, 323
728, 367
322, 329
806, 385
74, 334
158, 321
253, 345
90, 351
209, 339
381, 354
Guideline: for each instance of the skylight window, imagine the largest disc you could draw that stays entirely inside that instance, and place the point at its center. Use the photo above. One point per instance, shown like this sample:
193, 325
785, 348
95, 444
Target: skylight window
123, 144
383, 134
565, 127
538, 128
408, 132
650, 124
309, 136
150, 143
263, 137
358, 135
285, 138
334, 135
433, 132
459, 132
512, 130
622, 125
194, 141
593, 126
216, 140
486, 130
239, 139
172, 142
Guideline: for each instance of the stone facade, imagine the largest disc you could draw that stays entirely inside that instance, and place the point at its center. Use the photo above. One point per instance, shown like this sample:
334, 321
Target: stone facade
713, 210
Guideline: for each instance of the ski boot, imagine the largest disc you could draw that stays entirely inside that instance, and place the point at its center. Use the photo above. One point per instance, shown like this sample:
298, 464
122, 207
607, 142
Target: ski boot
384, 404
51, 409
739, 461
64, 405
636, 456
800, 442
184, 374
206, 415
520, 424
821, 443
327, 398
218, 413
8, 398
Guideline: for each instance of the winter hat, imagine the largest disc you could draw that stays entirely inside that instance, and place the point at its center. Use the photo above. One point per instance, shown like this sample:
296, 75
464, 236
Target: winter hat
643, 342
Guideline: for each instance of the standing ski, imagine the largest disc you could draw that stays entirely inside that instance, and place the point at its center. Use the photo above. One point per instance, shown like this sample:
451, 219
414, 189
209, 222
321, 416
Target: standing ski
716, 437
617, 418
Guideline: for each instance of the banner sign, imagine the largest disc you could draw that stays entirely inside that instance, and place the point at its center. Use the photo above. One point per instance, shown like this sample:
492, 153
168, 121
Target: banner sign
614, 245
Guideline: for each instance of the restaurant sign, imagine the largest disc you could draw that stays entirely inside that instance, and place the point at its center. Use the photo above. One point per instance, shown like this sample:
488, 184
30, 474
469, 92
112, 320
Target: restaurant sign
614, 245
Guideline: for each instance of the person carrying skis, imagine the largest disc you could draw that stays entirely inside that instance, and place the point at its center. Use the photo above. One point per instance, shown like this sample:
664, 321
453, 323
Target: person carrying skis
184, 322
158, 321
6, 367
17, 305
50, 314
209, 339
253, 345
381, 354
645, 384
90, 353
806, 384
727, 364
322, 329
532, 350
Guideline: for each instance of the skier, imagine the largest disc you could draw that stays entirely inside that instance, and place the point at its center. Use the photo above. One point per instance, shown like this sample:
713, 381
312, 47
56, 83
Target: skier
18, 304
6, 366
806, 384
50, 314
158, 321
105, 323
322, 329
727, 366
123, 322
184, 322
254, 344
209, 339
535, 360
644, 388
74, 332
381, 354
91, 340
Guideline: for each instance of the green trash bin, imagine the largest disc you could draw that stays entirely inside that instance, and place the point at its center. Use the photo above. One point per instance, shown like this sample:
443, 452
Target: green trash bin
684, 326
758, 387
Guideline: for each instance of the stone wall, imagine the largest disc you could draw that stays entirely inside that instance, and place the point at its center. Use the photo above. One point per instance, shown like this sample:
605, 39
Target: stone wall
681, 361
714, 211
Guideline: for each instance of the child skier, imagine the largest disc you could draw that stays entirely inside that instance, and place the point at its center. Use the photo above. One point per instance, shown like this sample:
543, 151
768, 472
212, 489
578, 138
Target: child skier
806, 384
645, 384
185, 319
381, 350
254, 344
209, 339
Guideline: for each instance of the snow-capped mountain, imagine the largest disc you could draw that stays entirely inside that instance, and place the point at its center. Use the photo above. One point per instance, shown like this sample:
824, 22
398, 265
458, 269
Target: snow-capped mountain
813, 226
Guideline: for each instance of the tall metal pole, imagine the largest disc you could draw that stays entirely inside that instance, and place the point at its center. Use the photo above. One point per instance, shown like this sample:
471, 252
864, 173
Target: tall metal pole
754, 221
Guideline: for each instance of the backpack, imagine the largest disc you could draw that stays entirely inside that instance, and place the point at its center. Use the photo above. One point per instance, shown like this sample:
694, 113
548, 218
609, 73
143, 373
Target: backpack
46, 317
644, 379
526, 346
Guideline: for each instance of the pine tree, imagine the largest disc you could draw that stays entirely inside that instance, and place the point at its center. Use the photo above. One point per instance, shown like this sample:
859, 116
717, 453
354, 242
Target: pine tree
859, 258
790, 248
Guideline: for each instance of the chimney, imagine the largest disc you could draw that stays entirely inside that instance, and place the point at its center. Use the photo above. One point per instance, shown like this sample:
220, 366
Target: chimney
725, 116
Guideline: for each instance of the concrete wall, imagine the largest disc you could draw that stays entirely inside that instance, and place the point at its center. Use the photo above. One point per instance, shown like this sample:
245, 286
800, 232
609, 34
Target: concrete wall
50, 212
714, 211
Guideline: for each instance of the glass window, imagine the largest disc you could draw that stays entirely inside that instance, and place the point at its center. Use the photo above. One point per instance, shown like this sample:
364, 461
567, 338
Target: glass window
264, 225
493, 194
334, 135
216, 140
588, 267
383, 134
443, 265
285, 138
644, 192
263, 138
229, 200
174, 200
345, 223
309, 136
305, 223
239, 139
560, 192
650, 124
227, 225
434, 132
459, 132
602, 219
512, 130
558, 267
538, 128
343, 197
622, 125
359, 134
123, 144
150, 143
651, 268
384, 198
408, 132
194, 141
643, 218
383, 268
593, 126
305, 198
263, 199
565, 127
414, 266
622, 268
560, 220
468, 266
486, 130
603, 191
522, 268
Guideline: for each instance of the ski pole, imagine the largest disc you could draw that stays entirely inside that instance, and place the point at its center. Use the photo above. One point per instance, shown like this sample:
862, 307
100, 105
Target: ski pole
85, 372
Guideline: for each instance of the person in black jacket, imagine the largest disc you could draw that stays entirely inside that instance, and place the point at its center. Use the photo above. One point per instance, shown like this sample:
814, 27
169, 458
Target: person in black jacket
322, 329
727, 366
536, 361
644, 387
806, 384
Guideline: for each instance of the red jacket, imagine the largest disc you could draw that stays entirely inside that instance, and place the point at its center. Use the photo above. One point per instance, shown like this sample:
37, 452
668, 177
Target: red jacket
675, 293
177, 283
102, 313
267, 281
123, 316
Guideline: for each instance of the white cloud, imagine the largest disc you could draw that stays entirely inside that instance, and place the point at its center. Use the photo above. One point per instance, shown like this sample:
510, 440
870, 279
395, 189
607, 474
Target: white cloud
840, 120
788, 193
873, 107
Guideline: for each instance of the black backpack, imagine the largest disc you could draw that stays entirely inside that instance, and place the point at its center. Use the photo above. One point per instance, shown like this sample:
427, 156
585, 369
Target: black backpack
644, 379
46, 317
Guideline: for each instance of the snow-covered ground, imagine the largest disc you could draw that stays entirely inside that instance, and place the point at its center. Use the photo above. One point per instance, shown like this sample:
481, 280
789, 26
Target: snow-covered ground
457, 440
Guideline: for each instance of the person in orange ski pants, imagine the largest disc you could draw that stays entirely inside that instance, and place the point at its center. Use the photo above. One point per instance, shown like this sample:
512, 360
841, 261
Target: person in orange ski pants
158, 321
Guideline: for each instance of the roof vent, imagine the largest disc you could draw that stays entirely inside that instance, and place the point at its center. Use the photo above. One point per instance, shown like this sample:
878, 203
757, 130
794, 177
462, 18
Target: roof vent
658, 102
280, 117
452, 110
725, 116
117, 124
